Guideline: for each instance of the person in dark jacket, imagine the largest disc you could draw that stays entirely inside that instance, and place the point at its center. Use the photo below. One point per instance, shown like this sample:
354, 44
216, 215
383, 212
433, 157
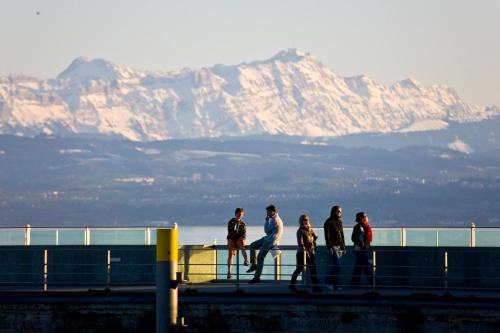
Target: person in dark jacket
236, 235
362, 237
335, 245
306, 242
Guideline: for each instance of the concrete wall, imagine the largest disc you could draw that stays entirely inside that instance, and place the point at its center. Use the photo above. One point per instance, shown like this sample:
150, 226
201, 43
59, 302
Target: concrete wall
71, 317
129, 314
321, 318
197, 263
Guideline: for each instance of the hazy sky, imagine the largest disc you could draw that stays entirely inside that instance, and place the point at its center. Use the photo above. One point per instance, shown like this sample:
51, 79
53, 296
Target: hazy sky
435, 41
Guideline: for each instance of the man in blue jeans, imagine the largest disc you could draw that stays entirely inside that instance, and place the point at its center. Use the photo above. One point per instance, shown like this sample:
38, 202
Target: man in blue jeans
334, 240
273, 229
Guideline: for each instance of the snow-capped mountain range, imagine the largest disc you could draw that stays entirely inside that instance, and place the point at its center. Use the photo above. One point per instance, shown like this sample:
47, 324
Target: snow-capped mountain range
292, 93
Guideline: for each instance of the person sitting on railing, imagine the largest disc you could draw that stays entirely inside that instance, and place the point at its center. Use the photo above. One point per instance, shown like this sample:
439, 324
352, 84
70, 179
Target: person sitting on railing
362, 237
236, 235
335, 245
306, 241
273, 229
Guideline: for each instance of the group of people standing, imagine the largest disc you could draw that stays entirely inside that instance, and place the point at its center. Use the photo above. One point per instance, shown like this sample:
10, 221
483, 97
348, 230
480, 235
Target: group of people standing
361, 237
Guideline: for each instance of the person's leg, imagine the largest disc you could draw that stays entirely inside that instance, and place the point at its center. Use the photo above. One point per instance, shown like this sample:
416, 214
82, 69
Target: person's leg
253, 260
357, 268
230, 253
260, 261
367, 267
254, 246
300, 267
311, 266
335, 268
241, 246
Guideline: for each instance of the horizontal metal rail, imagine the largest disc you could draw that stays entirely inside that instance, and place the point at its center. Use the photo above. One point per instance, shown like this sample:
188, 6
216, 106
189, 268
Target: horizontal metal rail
44, 268
144, 235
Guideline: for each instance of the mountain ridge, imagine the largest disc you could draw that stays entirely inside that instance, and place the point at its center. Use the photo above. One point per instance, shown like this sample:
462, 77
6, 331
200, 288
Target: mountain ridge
291, 93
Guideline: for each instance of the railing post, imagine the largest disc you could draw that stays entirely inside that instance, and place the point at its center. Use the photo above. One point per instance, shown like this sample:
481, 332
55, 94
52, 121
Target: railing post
374, 269
437, 237
472, 235
277, 267
86, 236
148, 236
403, 236
305, 268
108, 271
216, 260
45, 269
237, 269
27, 235
446, 269
166, 279
57, 236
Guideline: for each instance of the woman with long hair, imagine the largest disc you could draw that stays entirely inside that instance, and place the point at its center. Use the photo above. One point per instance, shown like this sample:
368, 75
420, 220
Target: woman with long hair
306, 243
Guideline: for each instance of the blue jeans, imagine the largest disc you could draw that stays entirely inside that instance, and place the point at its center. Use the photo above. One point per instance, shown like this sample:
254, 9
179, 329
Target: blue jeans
362, 264
263, 250
336, 263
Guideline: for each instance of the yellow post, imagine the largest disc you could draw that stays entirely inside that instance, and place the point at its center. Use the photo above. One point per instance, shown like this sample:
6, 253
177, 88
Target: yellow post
166, 279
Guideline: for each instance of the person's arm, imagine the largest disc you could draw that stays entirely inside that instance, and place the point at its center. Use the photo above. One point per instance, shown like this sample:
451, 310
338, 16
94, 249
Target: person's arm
328, 240
355, 237
243, 230
268, 226
229, 227
368, 235
300, 241
326, 228
314, 238
273, 227
342, 240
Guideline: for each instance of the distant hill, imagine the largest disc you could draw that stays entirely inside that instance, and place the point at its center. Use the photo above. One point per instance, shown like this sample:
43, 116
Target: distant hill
76, 181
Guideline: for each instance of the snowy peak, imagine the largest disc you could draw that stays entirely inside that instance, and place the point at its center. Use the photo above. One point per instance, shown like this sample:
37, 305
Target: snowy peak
409, 84
362, 85
83, 69
287, 57
291, 93
290, 55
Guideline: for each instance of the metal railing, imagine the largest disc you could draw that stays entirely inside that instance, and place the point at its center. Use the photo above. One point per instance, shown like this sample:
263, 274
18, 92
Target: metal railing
391, 267
400, 236
49, 268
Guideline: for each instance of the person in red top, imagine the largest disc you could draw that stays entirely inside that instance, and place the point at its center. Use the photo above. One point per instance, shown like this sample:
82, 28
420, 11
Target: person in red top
362, 237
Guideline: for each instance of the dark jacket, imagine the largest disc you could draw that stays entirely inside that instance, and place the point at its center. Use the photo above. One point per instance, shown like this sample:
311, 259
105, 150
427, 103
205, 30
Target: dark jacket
334, 234
360, 238
236, 229
306, 241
